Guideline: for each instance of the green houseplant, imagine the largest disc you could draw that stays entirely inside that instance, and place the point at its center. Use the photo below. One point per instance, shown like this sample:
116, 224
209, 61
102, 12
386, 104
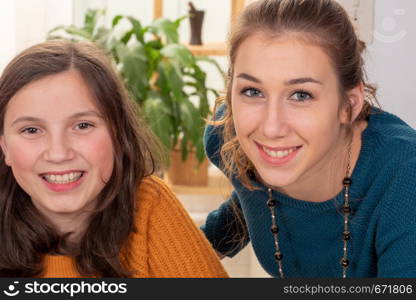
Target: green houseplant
161, 74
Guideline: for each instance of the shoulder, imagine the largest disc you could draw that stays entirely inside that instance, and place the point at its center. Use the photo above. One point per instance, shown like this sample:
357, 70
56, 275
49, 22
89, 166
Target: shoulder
153, 185
159, 217
153, 190
396, 224
396, 193
387, 161
392, 132
388, 142
402, 181
155, 203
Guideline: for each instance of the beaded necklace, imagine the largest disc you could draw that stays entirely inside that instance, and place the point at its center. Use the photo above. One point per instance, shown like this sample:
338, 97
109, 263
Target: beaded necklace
346, 235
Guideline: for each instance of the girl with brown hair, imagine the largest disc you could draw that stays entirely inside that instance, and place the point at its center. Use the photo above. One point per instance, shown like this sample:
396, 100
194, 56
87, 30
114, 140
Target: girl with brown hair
323, 180
77, 195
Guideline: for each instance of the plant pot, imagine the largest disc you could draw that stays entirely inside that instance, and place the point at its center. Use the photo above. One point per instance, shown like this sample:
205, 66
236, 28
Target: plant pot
188, 172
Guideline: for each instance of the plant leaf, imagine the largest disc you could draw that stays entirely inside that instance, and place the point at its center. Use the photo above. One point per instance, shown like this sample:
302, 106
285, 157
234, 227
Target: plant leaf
173, 79
91, 18
180, 53
179, 20
137, 29
214, 63
126, 37
166, 28
159, 120
134, 67
116, 20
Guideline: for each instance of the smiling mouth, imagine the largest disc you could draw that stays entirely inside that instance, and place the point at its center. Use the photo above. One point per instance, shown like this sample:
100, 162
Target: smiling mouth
279, 153
62, 178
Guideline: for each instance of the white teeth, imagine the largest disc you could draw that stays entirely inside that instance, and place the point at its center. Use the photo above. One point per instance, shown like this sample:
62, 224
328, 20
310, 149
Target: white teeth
63, 179
278, 154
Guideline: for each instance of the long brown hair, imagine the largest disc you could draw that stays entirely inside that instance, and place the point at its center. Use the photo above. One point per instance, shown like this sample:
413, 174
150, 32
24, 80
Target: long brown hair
321, 22
26, 236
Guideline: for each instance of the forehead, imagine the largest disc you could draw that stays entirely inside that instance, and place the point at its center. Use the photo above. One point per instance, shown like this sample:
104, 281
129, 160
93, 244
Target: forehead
287, 56
52, 97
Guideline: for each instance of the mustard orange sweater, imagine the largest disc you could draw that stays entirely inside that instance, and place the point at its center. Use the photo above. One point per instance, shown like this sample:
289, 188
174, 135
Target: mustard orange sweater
167, 242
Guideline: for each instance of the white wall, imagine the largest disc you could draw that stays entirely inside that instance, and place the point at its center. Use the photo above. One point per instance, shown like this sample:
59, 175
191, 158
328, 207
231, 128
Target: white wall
390, 60
35, 17
26, 22
7, 31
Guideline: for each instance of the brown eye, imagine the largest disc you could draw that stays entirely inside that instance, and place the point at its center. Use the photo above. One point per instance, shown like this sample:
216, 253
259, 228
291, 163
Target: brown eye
30, 130
83, 126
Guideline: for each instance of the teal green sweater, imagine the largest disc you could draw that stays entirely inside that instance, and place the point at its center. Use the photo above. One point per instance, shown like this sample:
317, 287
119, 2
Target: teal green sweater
382, 223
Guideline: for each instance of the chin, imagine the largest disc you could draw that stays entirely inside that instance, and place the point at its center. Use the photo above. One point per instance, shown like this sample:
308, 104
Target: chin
277, 179
65, 210
64, 207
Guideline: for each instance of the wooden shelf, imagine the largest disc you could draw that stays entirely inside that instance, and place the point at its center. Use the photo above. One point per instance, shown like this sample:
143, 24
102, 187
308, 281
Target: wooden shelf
213, 49
218, 184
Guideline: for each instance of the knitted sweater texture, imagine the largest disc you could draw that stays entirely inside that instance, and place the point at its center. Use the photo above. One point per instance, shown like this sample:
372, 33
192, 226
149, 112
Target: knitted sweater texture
167, 242
382, 223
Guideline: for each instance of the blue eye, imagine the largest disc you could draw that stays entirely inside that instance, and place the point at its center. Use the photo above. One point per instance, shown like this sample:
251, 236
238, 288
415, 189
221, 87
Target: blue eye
251, 92
83, 126
301, 96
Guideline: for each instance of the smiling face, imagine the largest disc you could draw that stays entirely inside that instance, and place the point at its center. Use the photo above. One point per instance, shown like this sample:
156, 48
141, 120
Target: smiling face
58, 145
286, 111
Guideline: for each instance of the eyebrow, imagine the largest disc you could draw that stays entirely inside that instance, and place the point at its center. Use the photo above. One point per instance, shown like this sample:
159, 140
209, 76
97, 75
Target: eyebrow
289, 82
74, 116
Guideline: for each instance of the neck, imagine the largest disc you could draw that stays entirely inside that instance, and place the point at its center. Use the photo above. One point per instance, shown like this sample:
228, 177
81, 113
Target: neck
328, 177
74, 224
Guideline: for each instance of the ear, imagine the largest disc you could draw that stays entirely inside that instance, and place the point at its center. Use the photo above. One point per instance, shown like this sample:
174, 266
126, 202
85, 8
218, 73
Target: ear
355, 102
4, 149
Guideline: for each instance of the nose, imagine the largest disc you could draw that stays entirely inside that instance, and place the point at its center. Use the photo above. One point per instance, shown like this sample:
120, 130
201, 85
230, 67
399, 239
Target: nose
58, 149
275, 122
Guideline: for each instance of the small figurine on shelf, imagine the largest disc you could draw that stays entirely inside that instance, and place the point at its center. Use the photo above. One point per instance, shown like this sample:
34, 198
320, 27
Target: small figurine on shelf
196, 19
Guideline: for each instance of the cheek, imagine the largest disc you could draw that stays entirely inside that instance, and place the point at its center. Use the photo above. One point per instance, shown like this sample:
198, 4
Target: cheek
100, 154
242, 129
245, 118
237, 112
21, 156
320, 129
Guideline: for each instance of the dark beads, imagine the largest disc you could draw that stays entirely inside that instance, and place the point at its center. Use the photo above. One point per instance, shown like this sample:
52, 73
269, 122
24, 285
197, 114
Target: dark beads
271, 203
346, 209
347, 235
278, 256
347, 181
274, 229
344, 262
